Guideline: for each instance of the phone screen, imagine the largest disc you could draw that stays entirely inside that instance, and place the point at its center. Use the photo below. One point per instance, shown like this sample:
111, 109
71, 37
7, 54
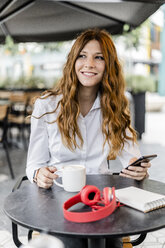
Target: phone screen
142, 159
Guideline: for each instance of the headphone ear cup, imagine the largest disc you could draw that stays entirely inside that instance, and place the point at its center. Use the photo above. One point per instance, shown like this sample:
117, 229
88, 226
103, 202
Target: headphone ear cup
107, 192
90, 195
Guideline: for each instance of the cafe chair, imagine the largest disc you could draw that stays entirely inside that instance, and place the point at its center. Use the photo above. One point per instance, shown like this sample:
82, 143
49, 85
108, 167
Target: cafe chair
126, 242
129, 243
5, 94
17, 116
4, 110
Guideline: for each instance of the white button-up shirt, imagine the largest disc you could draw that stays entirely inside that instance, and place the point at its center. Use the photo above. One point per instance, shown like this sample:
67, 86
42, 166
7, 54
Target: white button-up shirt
46, 147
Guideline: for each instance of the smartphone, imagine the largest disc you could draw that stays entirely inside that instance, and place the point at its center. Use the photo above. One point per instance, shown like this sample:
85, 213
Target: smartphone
142, 159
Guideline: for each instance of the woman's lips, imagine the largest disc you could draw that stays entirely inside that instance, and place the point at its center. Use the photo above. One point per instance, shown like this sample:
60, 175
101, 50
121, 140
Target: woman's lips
88, 74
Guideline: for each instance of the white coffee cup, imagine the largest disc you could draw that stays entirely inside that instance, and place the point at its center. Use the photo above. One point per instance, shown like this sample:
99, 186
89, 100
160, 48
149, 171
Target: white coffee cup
73, 177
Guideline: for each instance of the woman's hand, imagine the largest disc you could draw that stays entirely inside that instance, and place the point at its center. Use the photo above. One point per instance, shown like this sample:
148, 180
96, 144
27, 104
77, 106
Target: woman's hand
45, 177
136, 172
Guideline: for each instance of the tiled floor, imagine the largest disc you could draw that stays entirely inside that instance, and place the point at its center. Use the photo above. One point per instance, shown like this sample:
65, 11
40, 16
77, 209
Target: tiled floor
153, 141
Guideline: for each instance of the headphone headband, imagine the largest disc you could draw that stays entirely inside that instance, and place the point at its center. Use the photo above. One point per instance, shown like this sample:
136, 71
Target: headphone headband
98, 212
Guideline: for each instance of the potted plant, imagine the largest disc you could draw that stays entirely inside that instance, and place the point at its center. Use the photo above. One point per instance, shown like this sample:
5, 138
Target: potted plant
137, 85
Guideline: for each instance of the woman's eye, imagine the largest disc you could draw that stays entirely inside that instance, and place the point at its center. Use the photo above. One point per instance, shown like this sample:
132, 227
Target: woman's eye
100, 57
81, 56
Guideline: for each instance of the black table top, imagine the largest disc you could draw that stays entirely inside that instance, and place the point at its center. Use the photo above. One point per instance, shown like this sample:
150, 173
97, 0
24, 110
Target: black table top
40, 209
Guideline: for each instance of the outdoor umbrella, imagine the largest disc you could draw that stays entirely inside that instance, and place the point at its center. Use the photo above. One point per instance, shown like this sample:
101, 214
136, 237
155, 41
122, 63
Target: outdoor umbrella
48, 20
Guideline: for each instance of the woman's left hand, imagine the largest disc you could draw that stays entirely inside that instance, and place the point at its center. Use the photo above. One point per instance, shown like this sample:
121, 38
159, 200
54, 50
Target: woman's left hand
136, 172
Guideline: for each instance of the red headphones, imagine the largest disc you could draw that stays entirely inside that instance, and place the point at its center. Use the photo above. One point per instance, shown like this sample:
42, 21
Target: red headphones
91, 196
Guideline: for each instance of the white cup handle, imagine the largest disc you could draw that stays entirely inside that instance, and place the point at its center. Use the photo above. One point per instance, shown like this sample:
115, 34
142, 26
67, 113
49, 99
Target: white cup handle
59, 184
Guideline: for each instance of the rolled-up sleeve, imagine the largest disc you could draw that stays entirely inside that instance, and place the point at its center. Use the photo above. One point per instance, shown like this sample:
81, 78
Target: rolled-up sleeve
129, 151
38, 151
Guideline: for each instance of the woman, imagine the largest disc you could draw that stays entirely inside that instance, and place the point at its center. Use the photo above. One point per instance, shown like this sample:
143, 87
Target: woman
85, 119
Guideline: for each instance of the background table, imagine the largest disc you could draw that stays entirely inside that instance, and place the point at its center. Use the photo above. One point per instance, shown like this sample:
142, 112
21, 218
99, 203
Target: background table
40, 209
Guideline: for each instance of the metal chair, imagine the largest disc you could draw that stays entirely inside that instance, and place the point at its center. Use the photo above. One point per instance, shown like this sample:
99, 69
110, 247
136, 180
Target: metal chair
4, 110
126, 242
17, 115
21, 108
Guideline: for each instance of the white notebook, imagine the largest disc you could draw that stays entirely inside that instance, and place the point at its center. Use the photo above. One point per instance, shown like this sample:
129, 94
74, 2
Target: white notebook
140, 199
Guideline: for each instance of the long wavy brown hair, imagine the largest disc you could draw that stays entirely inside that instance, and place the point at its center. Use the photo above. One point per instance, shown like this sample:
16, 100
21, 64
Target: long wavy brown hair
114, 104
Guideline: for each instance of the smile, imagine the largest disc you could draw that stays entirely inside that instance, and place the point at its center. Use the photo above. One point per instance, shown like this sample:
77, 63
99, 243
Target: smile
88, 73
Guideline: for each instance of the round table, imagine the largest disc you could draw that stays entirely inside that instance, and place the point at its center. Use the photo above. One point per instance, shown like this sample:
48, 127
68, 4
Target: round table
41, 209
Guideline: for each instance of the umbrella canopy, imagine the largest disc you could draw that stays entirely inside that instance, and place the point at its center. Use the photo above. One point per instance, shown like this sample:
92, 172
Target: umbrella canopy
48, 20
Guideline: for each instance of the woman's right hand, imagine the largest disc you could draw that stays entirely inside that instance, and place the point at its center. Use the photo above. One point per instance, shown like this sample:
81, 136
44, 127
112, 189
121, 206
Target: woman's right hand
45, 176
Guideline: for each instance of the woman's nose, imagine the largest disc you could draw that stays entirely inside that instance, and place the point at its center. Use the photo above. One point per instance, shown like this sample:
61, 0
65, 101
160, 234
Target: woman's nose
90, 63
